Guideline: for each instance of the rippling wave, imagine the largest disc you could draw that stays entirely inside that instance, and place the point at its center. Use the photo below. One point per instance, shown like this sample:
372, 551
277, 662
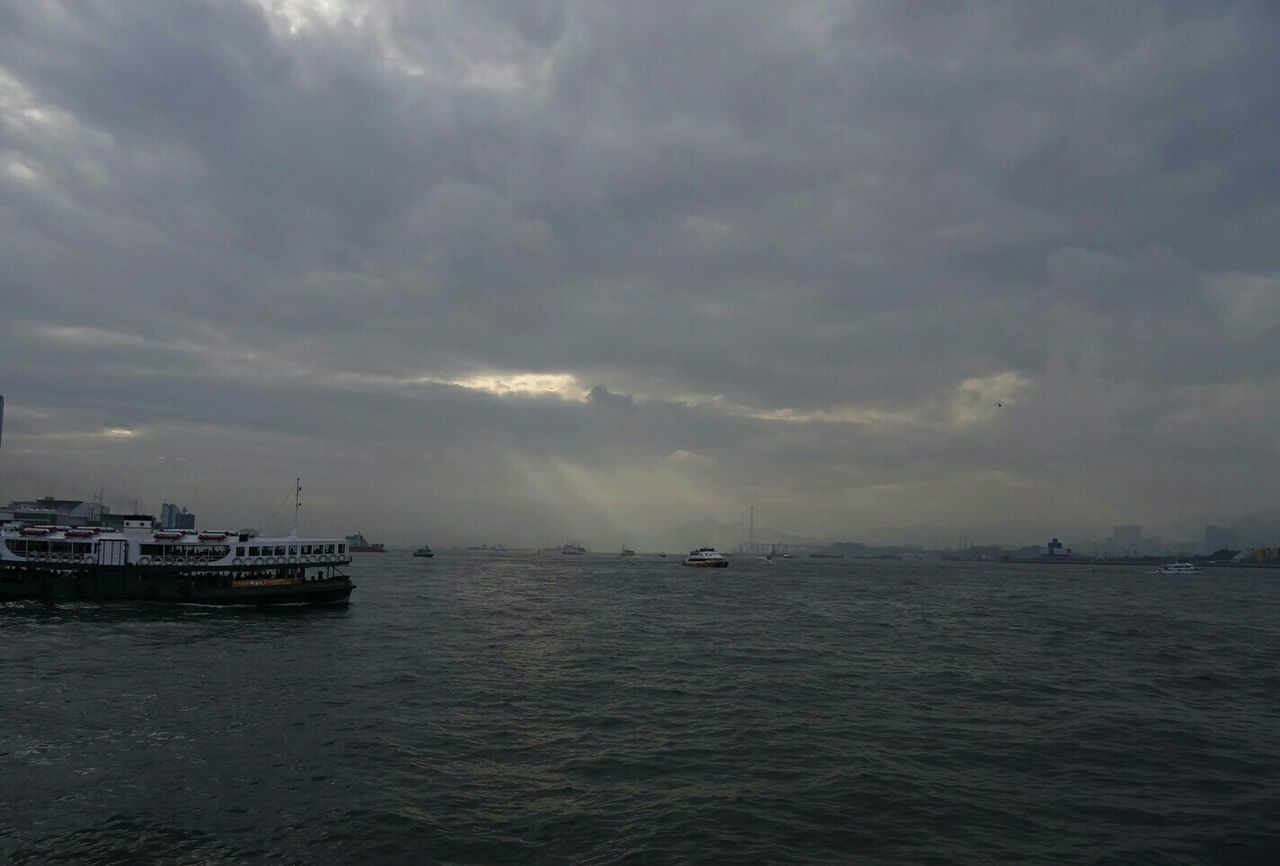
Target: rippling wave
603, 710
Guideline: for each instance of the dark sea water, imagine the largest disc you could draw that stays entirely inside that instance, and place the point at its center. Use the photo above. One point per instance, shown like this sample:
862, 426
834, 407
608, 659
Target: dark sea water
606, 710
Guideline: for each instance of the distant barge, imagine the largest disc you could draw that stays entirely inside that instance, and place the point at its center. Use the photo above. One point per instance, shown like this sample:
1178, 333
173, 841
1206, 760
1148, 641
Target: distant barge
137, 563
359, 544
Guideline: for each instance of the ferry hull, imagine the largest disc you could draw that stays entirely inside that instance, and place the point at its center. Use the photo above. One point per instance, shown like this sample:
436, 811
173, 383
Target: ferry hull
716, 563
170, 585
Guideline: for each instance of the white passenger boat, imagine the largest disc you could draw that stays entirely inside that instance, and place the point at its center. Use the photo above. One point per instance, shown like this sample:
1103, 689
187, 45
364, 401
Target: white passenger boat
1178, 568
136, 561
706, 557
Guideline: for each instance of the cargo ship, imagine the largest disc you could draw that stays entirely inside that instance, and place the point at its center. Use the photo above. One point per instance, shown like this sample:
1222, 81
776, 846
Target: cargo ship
359, 544
139, 563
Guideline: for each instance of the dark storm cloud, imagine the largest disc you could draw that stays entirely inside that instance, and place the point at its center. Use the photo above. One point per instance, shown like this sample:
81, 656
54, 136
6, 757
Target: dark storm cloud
793, 254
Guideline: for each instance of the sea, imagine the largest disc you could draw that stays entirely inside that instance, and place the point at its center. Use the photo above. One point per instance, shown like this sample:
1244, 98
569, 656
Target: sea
478, 709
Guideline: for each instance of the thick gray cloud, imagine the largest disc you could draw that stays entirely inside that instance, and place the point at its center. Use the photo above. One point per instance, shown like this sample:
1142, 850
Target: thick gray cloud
512, 271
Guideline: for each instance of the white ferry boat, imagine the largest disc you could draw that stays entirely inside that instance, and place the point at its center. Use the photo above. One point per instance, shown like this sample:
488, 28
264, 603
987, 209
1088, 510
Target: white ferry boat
1178, 568
574, 549
706, 557
139, 562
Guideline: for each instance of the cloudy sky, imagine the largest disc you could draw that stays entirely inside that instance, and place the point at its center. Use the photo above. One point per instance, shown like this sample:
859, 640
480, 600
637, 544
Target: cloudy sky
511, 272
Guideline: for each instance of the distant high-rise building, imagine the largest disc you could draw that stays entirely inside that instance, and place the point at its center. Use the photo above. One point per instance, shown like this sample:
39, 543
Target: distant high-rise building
173, 517
1127, 539
1220, 537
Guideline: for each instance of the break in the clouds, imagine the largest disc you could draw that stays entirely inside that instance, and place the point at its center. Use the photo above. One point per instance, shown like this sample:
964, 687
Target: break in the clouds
519, 272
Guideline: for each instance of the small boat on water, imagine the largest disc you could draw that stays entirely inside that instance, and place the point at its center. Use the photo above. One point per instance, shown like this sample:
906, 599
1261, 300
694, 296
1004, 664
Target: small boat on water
1178, 568
574, 549
626, 551
424, 550
706, 557
137, 562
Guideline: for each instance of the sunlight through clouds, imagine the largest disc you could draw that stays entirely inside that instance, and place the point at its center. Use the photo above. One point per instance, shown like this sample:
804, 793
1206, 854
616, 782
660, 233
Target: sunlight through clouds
299, 15
562, 385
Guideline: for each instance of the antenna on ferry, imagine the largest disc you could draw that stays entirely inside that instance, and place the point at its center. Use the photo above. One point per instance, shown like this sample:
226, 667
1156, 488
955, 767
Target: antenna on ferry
297, 503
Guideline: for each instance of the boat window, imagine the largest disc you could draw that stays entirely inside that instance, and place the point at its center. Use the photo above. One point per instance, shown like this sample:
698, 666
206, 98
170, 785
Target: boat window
239, 551
23, 547
254, 551
306, 549
280, 550
293, 550
342, 548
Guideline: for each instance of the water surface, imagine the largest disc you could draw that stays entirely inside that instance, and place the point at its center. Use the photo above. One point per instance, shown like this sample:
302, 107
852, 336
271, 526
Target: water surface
472, 709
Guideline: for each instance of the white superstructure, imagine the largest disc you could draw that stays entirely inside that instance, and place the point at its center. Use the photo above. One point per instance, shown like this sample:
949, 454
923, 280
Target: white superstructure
1178, 568
137, 544
706, 557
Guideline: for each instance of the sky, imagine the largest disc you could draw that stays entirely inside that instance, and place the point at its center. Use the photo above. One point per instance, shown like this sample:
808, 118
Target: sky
522, 273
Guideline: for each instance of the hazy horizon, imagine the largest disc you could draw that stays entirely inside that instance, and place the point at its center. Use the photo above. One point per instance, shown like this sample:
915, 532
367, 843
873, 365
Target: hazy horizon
522, 273
737, 533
